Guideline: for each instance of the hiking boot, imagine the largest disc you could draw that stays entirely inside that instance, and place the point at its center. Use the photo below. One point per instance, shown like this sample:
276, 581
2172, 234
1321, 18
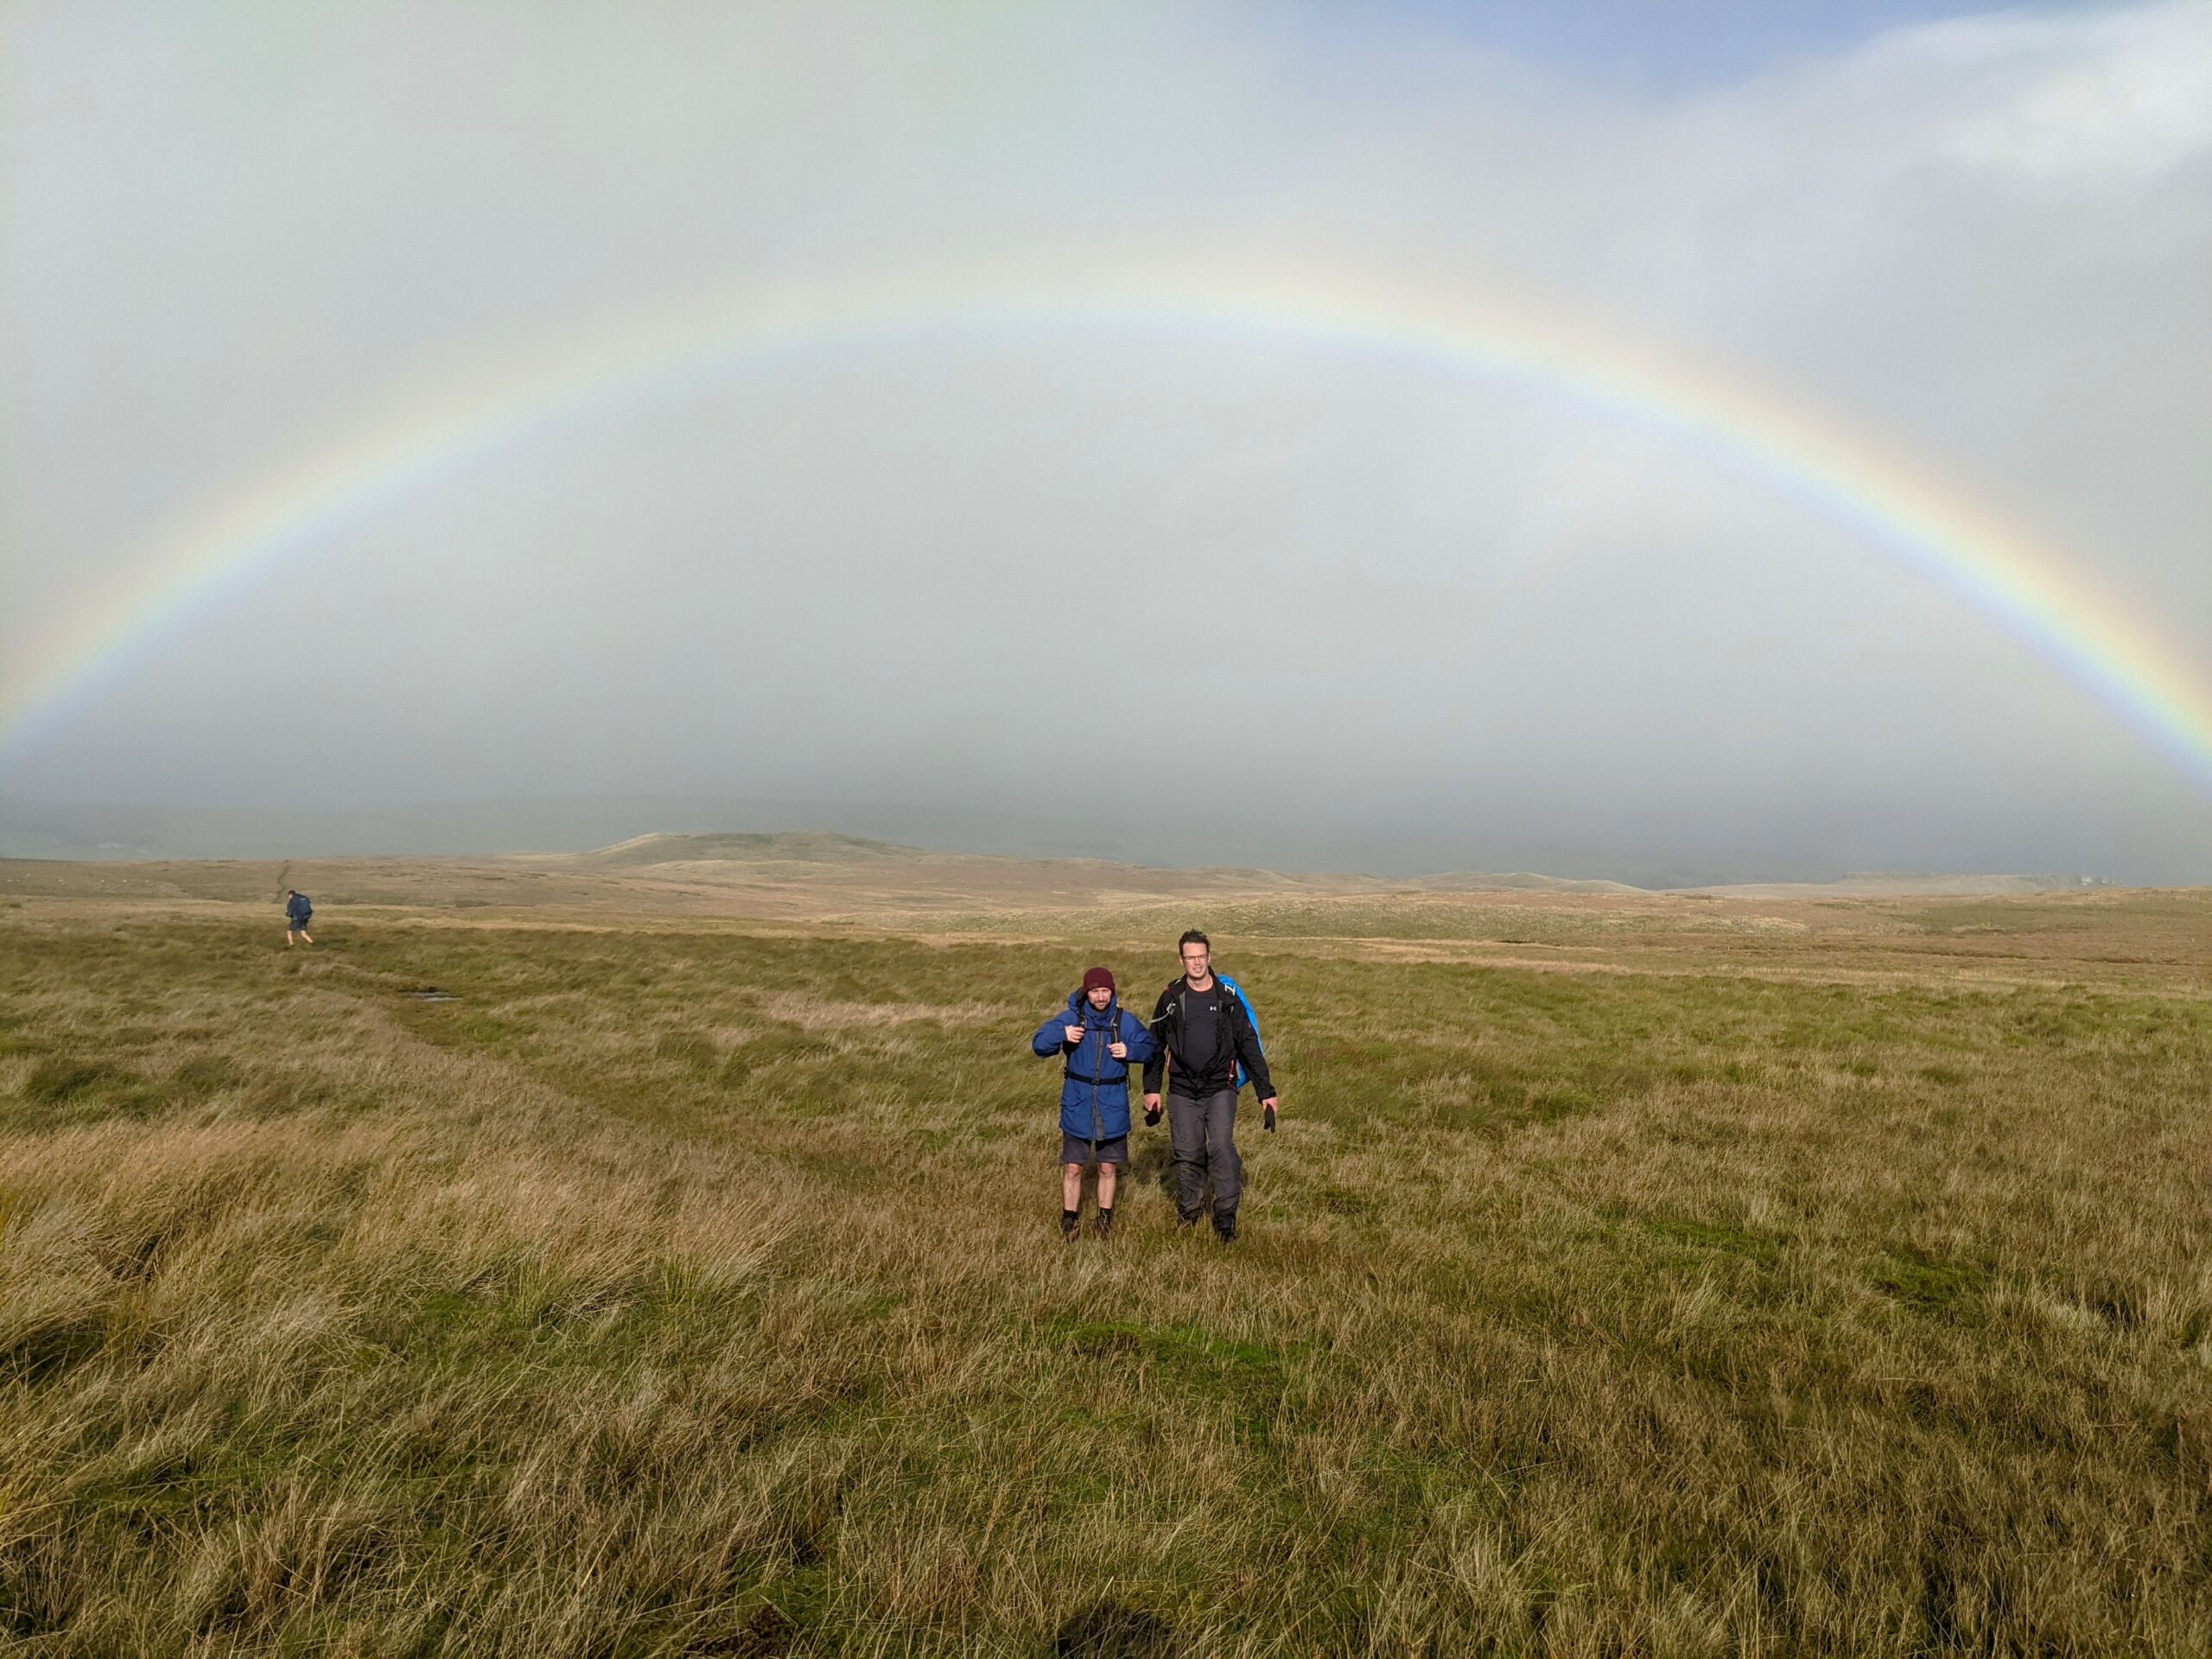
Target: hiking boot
1071, 1222
1105, 1223
1224, 1228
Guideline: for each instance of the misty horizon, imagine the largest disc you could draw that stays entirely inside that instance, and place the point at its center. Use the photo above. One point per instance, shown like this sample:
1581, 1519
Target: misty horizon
461, 829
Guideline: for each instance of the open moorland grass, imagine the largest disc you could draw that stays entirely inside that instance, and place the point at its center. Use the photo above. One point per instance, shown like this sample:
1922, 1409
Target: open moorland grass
1630, 1275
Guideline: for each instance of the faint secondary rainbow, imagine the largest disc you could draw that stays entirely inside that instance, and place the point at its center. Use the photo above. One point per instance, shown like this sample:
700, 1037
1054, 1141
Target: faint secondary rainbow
1908, 517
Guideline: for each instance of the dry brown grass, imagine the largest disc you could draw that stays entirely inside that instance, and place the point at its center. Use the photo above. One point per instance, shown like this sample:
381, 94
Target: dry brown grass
1790, 1275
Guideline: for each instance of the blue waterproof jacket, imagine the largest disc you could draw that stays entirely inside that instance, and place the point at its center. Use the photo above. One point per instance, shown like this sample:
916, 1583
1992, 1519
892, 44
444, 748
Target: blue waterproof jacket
1095, 1095
297, 908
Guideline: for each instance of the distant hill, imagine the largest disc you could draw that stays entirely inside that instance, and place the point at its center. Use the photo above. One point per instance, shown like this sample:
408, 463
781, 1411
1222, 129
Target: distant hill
791, 847
1520, 881
822, 847
1909, 885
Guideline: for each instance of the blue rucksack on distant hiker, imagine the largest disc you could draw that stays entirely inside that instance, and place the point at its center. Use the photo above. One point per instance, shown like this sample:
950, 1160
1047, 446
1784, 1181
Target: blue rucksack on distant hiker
1251, 1014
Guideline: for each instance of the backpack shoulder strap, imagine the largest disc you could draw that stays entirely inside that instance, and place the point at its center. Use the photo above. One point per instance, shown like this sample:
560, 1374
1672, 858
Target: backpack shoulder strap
1251, 1017
1237, 991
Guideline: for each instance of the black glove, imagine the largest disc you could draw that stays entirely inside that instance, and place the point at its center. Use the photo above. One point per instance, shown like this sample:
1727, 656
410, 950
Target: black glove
1269, 1123
1152, 1117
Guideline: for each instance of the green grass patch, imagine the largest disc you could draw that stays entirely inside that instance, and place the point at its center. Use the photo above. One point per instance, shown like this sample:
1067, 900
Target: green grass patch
1248, 1376
1712, 1235
1930, 1284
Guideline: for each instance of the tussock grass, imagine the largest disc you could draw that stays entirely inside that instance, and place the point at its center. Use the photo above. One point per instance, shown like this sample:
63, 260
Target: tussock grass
693, 1288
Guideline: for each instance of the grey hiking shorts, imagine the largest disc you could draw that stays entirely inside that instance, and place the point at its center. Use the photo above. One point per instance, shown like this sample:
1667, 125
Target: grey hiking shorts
1074, 1149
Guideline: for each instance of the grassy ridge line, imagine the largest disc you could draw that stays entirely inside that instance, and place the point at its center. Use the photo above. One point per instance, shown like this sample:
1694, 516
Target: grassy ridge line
678, 1291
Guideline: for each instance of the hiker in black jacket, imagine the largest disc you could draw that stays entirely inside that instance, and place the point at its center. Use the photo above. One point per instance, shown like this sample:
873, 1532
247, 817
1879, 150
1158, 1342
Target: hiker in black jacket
1205, 1035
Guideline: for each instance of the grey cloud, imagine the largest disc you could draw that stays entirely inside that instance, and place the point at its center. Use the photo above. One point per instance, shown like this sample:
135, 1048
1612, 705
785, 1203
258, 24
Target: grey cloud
1458, 620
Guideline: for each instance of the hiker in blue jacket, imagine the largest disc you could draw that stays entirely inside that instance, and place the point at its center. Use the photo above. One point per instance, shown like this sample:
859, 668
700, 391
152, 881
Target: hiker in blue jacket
297, 913
1097, 1039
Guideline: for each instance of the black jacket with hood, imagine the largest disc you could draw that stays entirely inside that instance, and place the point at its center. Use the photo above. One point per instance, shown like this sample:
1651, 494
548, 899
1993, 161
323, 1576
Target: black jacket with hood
1220, 1075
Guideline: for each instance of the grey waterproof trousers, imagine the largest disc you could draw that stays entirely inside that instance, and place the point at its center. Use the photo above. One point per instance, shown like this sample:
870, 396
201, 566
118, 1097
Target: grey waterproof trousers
1204, 1136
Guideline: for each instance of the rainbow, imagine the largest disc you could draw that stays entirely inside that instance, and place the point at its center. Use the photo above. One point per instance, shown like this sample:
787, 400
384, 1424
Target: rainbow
428, 434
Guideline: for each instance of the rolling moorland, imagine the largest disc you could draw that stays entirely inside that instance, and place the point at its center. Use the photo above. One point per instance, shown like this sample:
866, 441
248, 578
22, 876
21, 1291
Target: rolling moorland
655, 1252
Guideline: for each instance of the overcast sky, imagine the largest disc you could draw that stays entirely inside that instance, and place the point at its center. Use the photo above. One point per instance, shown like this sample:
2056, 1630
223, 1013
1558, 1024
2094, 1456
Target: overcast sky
1191, 594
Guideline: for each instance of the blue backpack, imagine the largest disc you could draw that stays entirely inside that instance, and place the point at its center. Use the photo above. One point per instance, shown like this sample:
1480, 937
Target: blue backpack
1237, 991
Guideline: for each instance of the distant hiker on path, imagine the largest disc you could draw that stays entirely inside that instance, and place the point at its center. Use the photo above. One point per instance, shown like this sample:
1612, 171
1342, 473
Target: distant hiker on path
297, 913
1210, 1045
1096, 1037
